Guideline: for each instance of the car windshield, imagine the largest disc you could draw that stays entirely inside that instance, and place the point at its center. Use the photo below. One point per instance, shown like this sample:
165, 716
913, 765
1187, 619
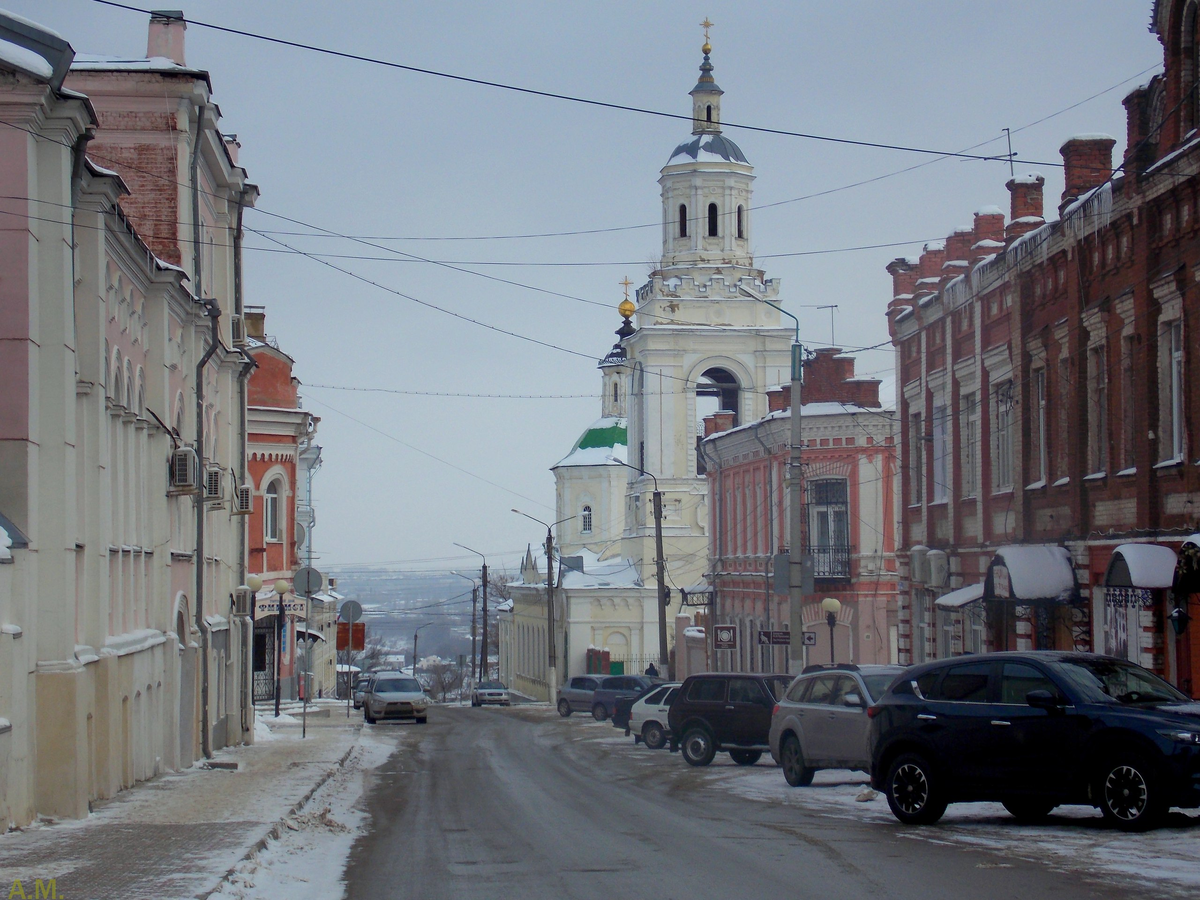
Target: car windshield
1116, 681
491, 686
877, 684
397, 686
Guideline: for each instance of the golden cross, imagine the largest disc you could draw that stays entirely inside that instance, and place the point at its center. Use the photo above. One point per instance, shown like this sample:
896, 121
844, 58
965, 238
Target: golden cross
626, 283
706, 25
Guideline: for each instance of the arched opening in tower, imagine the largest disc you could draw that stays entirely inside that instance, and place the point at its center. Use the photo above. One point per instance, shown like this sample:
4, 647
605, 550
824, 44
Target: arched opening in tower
717, 390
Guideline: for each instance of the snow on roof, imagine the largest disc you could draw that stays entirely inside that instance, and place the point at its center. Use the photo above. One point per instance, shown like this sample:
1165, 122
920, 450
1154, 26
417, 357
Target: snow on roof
5, 544
935, 245
26, 60
987, 244
97, 63
1141, 566
611, 573
607, 436
989, 211
1031, 178
1089, 136
961, 597
1038, 571
708, 148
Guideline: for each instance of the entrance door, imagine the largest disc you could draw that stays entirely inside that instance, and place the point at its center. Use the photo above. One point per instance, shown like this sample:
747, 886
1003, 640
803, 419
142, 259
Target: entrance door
264, 662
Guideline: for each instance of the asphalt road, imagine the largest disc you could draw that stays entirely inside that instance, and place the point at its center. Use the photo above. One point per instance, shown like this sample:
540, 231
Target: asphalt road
497, 804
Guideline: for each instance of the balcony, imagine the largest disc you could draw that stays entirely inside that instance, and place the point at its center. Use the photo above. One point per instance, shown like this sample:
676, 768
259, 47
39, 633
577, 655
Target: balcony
830, 561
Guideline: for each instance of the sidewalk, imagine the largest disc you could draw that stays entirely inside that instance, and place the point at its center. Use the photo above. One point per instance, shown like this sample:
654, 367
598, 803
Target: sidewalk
177, 835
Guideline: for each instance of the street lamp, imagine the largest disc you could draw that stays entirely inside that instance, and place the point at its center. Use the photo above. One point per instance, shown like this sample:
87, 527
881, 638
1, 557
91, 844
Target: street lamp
551, 643
483, 650
415, 657
474, 612
832, 606
281, 588
663, 661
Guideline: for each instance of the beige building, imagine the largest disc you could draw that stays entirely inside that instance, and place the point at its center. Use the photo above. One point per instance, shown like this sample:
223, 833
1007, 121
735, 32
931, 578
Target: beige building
121, 422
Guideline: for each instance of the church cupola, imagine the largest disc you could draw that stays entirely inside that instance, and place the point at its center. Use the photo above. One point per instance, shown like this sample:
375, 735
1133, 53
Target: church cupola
706, 96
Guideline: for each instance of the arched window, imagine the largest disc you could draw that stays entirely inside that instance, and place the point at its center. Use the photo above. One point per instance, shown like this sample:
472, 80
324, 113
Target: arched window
741, 230
118, 388
129, 386
683, 220
712, 220
708, 113
141, 392
616, 394
716, 390
271, 523
585, 520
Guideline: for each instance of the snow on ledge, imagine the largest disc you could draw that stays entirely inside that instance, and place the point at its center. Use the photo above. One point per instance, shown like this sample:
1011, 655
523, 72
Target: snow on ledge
26, 60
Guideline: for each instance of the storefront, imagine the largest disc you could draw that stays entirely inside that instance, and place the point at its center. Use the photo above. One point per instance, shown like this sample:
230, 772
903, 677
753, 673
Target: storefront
1130, 607
1031, 600
1184, 605
961, 625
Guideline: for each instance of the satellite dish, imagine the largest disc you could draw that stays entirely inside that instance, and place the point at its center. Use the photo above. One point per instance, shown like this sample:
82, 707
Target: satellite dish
301, 533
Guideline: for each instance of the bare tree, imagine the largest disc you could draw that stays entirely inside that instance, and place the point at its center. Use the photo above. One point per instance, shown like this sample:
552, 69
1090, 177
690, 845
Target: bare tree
444, 676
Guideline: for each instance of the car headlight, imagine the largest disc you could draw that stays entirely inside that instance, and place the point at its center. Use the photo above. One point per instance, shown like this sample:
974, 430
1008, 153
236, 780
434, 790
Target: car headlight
1182, 735
420, 704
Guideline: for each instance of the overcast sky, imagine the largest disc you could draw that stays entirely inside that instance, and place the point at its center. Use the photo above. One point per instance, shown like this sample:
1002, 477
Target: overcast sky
360, 149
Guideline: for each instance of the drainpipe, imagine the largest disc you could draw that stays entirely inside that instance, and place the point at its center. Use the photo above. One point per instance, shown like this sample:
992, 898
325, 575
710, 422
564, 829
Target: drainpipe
243, 375
770, 509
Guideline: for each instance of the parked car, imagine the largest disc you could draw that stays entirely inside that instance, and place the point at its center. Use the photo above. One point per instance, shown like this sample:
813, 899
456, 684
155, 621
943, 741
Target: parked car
1034, 730
724, 711
616, 687
490, 692
821, 721
360, 690
576, 695
648, 716
394, 695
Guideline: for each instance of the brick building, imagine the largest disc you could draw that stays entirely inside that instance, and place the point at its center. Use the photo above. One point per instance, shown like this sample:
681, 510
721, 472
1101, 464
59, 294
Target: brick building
850, 491
1048, 418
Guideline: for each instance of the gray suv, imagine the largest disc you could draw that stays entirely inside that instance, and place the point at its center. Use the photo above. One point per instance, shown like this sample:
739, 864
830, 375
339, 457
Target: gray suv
821, 721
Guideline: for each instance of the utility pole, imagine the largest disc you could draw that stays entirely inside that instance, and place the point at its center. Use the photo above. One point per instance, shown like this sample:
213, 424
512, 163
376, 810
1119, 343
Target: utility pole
551, 654
474, 626
483, 647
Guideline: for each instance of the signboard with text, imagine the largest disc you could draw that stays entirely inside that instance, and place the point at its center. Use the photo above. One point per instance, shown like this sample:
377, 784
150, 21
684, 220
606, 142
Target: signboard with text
269, 606
775, 638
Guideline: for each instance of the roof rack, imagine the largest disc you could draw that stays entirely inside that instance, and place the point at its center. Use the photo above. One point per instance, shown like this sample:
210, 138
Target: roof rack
829, 667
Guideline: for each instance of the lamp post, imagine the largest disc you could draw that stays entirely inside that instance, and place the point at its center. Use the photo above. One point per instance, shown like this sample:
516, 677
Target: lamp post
474, 612
483, 650
281, 588
659, 563
551, 643
254, 583
415, 657
832, 606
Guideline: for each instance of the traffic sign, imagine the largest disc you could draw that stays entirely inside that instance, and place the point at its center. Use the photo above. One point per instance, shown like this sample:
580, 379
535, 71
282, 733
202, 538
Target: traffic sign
351, 635
779, 638
350, 611
724, 637
810, 639
307, 581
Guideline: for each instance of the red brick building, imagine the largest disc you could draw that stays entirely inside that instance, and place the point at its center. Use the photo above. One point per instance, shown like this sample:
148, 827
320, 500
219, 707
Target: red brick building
850, 483
1048, 418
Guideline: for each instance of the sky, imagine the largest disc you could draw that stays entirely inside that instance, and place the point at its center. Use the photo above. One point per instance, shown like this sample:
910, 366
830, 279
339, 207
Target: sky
452, 172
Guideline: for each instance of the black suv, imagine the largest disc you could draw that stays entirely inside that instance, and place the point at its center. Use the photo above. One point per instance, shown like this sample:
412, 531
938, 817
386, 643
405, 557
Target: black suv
724, 712
1033, 731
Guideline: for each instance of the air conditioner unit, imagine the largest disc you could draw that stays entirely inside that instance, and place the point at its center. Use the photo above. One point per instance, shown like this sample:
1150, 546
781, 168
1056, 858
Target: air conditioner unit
214, 483
185, 470
939, 568
237, 328
243, 602
243, 500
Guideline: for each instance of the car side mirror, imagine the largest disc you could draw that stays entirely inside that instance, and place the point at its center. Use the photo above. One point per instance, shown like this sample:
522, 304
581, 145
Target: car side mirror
852, 700
1041, 699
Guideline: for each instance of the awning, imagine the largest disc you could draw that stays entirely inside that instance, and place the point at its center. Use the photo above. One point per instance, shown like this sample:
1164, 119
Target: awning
698, 594
302, 630
1030, 573
1141, 566
960, 598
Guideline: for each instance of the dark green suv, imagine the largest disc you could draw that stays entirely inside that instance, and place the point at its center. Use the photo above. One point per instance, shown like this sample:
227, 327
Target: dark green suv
724, 711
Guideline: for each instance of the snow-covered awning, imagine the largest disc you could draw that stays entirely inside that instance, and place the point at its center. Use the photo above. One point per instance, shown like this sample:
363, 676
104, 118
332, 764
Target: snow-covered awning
1031, 572
960, 598
312, 634
699, 594
342, 667
1141, 566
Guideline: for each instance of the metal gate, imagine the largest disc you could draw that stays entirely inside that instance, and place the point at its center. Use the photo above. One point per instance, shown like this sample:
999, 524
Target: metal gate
264, 663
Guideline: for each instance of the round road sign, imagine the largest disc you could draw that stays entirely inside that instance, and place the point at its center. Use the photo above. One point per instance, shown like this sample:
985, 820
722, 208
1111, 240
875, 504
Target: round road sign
307, 580
351, 611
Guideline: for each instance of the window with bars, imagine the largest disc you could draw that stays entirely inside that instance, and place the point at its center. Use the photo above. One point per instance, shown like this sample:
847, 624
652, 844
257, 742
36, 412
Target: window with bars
941, 455
1002, 459
1097, 410
1038, 451
916, 460
827, 501
969, 436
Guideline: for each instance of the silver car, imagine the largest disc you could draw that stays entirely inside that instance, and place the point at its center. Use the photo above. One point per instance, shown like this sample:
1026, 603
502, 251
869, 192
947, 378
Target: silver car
648, 716
394, 695
821, 721
490, 692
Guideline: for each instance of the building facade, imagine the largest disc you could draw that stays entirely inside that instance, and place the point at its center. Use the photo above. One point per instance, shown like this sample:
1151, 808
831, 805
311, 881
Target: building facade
850, 484
1047, 404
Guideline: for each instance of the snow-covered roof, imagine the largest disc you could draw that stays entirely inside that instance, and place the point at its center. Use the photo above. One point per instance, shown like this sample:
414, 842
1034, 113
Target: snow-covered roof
989, 211
707, 148
961, 597
1035, 572
610, 573
26, 60
92, 62
1141, 566
607, 436
5, 544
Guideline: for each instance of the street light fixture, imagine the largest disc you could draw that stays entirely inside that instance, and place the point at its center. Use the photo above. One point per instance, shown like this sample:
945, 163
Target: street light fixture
551, 643
474, 613
483, 650
281, 588
415, 657
832, 606
659, 563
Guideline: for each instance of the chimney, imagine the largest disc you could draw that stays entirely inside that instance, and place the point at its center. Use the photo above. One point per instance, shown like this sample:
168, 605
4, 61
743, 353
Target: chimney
232, 146
779, 398
1087, 163
987, 235
1026, 210
255, 322
166, 35
721, 420
829, 378
958, 252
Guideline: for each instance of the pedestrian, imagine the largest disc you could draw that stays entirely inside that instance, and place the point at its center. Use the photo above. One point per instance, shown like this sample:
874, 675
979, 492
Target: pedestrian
652, 670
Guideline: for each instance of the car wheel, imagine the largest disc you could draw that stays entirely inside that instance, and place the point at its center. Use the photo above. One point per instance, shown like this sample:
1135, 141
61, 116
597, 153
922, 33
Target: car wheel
1129, 791
599, 713
1030, 810
745, 757
368, 718
698, 747
654, 736
913, 790
795, 772
564, 708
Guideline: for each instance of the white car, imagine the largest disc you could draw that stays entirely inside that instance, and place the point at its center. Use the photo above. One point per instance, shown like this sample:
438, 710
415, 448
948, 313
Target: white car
648, 717
490, 692
394, 695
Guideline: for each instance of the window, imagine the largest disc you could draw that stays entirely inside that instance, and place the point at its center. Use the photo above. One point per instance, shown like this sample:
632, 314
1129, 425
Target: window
941, 442
828, 527
916, 459
271, 529
616, 392
1018, 679
683, 220
712, 220
585, 520
741, 229
1175, 383
969, 435
1097, 410
964, 684
707, 690
743, 690
1128, 435
799, 690
1064, 418
1038, 452
822, 689
1002, 467
708, 113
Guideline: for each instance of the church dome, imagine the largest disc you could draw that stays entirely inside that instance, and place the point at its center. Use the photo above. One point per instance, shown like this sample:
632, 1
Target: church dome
708, 147
607, 436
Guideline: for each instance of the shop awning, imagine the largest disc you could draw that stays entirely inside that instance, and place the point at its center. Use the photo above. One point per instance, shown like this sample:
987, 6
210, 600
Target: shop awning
303, 631
698, 594
960, 598
1031, 573
1141, 566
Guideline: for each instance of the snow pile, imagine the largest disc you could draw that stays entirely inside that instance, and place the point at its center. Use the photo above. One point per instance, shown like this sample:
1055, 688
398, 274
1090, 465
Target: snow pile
25, 60
261, 731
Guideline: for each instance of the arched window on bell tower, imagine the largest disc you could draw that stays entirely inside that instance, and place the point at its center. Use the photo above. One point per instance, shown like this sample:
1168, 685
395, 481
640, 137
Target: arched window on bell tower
708, 113
712, 220
683, 220
741, 228
716, 390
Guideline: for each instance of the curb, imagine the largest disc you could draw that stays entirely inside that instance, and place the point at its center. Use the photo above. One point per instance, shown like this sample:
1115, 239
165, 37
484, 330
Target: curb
274, 832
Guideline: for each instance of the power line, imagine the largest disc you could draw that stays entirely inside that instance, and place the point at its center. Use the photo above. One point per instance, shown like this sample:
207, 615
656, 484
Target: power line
378, 390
